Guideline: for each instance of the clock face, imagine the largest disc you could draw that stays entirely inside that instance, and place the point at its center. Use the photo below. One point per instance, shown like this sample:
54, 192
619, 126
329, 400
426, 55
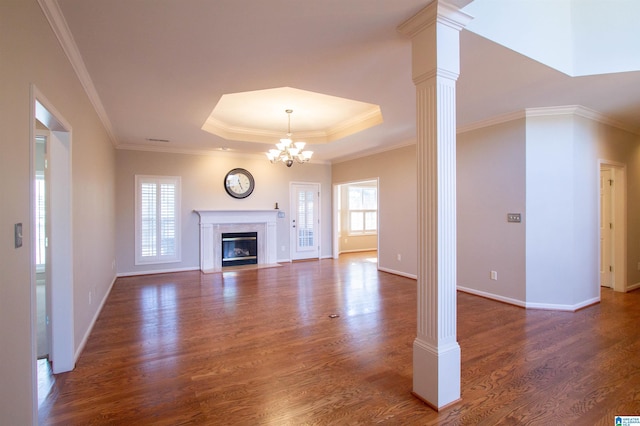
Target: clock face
239, 183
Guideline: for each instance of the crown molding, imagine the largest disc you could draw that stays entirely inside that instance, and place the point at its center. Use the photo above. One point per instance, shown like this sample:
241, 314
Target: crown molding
493, 121
580, 111
576, 110
58, 24
370, 118
196, 151
182, 150
358, 123
374, 151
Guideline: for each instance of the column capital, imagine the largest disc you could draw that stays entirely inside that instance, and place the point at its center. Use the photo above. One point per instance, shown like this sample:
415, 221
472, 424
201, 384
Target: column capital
435, 40
436, 12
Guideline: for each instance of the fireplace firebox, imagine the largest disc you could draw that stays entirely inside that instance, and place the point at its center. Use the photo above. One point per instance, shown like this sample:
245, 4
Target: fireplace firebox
239, 248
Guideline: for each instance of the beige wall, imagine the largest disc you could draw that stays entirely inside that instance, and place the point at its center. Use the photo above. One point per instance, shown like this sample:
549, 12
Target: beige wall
31, 55
397, 202
203, 189
490, 184
617, 146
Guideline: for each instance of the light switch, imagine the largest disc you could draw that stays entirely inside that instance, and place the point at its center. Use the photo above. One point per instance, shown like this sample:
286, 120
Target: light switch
17, 228
514, 217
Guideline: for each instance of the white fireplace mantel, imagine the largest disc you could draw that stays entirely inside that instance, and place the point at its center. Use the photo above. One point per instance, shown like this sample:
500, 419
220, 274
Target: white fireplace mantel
213, 223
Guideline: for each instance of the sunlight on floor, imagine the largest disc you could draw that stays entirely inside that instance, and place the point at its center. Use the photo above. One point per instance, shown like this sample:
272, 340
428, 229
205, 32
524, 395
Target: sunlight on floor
45, 380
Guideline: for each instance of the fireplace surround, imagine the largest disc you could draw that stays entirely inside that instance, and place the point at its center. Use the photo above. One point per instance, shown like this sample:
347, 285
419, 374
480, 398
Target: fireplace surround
214, 223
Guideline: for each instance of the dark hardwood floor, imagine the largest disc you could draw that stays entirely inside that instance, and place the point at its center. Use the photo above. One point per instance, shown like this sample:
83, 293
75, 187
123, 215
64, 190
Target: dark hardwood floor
259, 347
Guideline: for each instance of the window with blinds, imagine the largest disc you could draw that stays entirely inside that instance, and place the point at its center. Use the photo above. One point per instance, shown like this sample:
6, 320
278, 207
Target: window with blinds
157, 219
363, 210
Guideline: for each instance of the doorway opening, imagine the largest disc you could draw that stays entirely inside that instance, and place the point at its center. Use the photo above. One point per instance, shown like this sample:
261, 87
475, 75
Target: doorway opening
42, 213
51, 246
612, 208
356, 217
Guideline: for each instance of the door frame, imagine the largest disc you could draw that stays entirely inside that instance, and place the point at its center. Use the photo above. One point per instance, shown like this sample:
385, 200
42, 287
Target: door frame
47, 270
336, 235
292, 214
619, 217
61, 352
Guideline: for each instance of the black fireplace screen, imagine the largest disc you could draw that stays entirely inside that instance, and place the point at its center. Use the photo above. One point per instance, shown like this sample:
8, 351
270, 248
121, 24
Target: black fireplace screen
239, 248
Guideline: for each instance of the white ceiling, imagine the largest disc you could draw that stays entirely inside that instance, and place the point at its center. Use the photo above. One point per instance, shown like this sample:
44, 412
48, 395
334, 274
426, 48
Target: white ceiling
159, 68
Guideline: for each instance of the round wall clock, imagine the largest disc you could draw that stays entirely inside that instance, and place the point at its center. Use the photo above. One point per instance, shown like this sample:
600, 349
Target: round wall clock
239, 183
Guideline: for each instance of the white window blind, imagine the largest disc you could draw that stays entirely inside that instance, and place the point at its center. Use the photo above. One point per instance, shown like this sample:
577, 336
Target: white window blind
363, 210
157, 219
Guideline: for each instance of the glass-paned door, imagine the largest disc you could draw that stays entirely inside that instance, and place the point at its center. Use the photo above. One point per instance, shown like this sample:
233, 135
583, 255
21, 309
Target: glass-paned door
305, 221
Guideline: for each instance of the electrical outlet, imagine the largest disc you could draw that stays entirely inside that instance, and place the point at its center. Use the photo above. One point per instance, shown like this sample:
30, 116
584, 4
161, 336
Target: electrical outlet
282, 248
494, 275
399, 257
514, 217
89, 297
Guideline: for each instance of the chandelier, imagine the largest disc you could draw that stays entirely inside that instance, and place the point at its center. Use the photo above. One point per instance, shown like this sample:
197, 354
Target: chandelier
288, 151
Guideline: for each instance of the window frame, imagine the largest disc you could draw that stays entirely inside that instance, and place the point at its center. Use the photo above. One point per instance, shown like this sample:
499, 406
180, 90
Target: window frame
158, 258
361, 211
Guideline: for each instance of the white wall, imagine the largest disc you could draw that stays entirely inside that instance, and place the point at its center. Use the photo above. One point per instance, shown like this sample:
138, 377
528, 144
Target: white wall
539, 29
31, 54
554, 213
545, 166
203, 189
576, 37
491, 183
397, 201
602, 32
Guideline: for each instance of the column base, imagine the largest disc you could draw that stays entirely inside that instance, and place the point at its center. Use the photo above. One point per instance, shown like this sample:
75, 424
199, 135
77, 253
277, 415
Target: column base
436, 374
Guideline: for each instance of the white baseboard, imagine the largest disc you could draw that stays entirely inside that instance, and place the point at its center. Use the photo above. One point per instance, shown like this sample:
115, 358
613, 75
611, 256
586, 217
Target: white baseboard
394, 272
85, 338
633, 287
492, 296
157, 271
556, 307
290, 261
527, 305
357, 250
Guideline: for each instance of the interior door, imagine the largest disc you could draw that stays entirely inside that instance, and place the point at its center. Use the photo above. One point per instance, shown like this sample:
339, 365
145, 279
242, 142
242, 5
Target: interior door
606, 228
305, 221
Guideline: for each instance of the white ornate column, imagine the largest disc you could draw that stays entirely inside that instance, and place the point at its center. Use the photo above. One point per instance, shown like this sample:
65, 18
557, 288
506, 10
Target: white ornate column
435, 34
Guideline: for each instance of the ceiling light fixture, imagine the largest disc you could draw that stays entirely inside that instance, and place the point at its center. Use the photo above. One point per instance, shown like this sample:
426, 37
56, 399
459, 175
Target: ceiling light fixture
288, 151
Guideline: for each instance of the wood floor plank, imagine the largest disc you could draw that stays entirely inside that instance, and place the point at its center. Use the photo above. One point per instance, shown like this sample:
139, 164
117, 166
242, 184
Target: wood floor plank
258, 347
